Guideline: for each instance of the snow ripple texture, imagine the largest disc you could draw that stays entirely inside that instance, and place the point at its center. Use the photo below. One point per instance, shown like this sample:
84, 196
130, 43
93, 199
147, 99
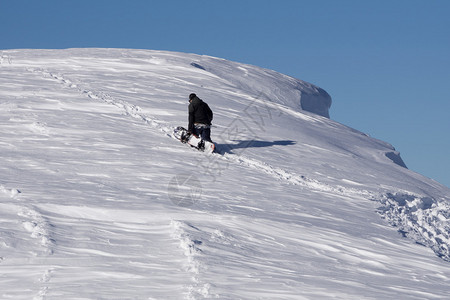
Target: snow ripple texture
288, 208
423, 219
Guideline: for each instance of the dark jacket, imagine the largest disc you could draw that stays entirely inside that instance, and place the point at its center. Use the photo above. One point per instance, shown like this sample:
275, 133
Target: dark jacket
199, 112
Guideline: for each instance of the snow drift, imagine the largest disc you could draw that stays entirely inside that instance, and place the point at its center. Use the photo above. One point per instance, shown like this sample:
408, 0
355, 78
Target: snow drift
99, 201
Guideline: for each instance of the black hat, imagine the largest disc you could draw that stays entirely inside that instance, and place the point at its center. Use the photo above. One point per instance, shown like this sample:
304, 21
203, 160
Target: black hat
192, 96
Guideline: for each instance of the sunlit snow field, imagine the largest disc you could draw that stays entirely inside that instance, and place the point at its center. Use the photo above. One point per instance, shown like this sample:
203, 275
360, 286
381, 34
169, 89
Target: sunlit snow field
99, 201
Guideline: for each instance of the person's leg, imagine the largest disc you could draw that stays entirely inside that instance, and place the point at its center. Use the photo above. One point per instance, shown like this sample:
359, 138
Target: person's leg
206, 134
196, 131
199, 131
202, 132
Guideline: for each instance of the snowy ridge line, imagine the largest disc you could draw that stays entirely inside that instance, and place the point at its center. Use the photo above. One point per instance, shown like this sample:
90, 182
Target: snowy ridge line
191, 250
129, 109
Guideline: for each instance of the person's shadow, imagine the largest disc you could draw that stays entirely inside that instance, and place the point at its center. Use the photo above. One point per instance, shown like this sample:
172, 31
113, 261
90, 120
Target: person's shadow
228, 148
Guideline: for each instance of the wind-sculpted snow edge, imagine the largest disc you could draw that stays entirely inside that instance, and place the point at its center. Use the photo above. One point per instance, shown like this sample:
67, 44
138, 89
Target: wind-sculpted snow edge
423, 219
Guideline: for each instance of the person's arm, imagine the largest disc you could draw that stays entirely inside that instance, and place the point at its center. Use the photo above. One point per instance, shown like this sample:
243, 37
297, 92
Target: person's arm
191, 118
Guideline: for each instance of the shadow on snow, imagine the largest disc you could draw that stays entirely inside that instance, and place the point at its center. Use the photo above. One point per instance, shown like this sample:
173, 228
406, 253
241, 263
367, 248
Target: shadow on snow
228, 148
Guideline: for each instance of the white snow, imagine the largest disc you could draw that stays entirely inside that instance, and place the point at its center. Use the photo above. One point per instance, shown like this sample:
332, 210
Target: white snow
99, 201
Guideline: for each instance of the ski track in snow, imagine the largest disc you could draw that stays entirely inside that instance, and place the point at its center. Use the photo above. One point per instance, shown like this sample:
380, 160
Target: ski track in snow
136, 112
12, 193
128, 109
39, 229
415, 216
191, 248
421, 218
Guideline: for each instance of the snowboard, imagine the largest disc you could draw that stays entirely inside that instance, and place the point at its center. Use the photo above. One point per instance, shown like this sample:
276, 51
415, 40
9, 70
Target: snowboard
193, 140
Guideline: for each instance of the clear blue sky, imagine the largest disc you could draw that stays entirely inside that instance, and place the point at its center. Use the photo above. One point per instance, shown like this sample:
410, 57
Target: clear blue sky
386, 63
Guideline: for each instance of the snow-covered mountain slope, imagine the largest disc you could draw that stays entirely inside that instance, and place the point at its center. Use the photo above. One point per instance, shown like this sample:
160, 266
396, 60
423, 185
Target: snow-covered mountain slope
99, 201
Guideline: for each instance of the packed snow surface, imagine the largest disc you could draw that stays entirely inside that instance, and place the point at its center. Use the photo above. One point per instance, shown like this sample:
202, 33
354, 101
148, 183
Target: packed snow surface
98, 200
